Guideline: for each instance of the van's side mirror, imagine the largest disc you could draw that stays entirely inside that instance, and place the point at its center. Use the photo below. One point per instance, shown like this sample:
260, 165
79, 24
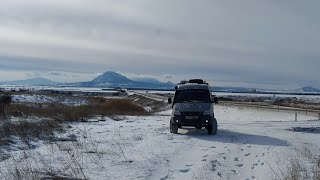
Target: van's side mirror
169, 100
215, 100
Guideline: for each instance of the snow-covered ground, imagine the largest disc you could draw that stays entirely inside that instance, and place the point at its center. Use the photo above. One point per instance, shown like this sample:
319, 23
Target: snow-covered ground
38, 98
249, 144
269, 97
250, 96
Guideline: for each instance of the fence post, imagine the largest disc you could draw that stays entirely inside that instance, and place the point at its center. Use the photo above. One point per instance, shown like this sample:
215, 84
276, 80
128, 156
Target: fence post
296, 116
306, 111
319, 116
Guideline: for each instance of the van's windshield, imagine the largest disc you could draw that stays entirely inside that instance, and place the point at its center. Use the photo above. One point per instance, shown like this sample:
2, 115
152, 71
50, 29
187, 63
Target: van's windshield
192, 96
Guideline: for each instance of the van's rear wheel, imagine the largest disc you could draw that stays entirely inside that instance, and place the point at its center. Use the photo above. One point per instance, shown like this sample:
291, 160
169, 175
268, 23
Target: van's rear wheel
213, 128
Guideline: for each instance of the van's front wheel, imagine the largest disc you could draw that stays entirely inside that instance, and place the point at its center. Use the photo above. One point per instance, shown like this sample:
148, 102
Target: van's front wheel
174, 128
213, 128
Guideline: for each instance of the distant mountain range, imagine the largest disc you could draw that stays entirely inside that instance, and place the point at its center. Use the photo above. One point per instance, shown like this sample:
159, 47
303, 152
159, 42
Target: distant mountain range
33, 82
309, 89
115, 80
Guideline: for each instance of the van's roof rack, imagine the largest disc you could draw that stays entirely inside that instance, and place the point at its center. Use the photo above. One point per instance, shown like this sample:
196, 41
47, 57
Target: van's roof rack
191, 81
197, 81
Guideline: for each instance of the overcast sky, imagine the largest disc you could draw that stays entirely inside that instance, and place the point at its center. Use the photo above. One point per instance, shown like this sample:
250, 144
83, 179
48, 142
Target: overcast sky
251, 43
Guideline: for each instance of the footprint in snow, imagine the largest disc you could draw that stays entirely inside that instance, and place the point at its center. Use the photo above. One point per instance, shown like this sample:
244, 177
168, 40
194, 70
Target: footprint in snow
213, 169
224, 158
205, 156
189, 165
213, 147
247, 154
164, 178
239, 165
236, 159
184, 170
235, 172
204, 160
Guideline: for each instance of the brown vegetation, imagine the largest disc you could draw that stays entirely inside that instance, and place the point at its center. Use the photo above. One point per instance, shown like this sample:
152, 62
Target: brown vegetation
27, 130
53, 115
97, 106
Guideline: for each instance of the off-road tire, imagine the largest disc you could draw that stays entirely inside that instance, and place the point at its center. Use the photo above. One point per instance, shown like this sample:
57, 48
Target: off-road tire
174, 128
213, 128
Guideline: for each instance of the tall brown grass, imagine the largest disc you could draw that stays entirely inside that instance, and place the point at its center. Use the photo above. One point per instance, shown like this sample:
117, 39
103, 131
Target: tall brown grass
78, 113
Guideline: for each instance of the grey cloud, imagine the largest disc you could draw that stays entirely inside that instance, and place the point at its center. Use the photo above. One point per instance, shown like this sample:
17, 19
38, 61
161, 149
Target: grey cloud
233, 41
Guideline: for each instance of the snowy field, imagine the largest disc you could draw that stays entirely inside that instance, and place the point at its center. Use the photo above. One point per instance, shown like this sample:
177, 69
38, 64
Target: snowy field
250, 144
234, 96
250, 96
38, 98
54, 88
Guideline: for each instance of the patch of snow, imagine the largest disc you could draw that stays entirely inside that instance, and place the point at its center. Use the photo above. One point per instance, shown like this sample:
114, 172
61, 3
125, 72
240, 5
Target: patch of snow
35, 98
148, 109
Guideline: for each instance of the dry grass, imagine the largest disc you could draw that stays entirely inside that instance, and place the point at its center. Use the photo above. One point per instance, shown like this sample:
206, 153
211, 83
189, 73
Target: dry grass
304, 164
97, 106
50, 119
26, 130
54, 115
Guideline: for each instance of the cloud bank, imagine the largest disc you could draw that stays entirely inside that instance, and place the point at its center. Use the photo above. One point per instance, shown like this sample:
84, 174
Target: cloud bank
233, 42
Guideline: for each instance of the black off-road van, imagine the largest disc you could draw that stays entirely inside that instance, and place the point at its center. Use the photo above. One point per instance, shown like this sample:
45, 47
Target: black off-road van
193, 106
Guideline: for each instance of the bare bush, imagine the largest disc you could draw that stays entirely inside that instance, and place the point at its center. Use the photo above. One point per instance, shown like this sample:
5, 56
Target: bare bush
296, 171
30, 164
304, 164
27, 130
5, 100
65, 160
